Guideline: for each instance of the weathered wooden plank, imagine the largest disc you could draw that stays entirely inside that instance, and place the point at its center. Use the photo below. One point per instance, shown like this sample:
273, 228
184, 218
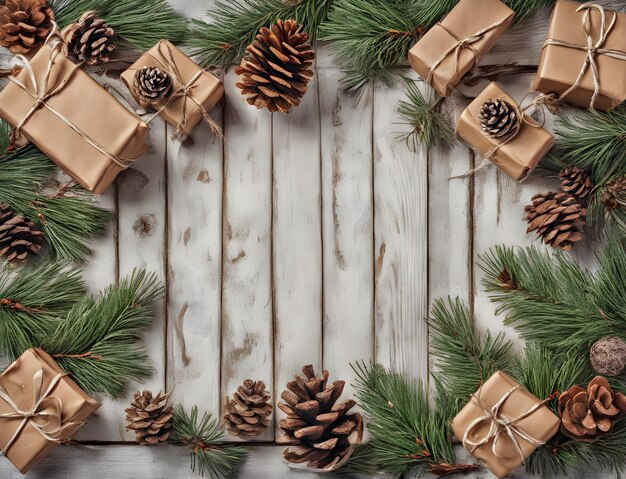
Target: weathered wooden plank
347, 223
247, 342
401, 241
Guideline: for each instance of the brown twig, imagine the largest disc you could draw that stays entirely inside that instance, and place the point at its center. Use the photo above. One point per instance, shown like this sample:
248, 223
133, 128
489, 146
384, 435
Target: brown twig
398, 33
442, 469
87, 355
19, 307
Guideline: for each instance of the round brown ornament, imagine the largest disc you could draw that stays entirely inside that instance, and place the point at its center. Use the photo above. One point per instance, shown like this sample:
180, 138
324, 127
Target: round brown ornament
608, 356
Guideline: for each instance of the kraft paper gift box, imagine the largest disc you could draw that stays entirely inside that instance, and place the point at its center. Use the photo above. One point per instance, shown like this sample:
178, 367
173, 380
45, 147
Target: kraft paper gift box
564, 55
35, 374
537, 423
442, 60
517, 157
81, 127
182, 111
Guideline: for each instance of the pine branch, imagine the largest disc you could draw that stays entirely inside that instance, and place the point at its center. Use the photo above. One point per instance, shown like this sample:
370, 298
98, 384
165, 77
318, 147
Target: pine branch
235, 23
31, 302
96, 341
141, 23
203, 437
463, 360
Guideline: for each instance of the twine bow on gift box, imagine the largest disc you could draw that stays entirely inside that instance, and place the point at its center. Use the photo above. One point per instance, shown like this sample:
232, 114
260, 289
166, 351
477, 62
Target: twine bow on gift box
45, 415
592, 49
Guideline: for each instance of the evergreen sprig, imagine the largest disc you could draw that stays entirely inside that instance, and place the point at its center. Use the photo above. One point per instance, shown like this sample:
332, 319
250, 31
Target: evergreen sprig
203, 437
235, 23
140, 23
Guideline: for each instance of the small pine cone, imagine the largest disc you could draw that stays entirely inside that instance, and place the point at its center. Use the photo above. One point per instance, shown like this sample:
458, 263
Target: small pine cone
319, 430
589, 413
248, 413
276, 68
152, 84
19, 238
150, 417
575, 182
90, 40
498, 118
25, 24
558, 219
614, 195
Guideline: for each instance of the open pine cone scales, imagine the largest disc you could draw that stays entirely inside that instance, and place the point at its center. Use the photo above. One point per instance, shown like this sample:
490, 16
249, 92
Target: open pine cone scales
90, 40
319, 430
558, 219
575, 182
19, 238
150, 416
498, 118
276, 68
25, 24
248, 413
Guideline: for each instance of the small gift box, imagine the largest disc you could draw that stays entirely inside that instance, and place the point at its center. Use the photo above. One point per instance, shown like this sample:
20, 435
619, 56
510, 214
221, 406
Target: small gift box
453, 47
503, 424
183, 93
517, 154
584, 58
40, 406
72, 119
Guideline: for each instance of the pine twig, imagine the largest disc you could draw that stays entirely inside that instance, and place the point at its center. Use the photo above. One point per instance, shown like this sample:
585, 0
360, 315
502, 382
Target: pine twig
203, 437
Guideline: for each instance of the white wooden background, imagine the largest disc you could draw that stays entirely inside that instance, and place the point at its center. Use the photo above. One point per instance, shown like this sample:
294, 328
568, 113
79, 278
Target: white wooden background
315, 237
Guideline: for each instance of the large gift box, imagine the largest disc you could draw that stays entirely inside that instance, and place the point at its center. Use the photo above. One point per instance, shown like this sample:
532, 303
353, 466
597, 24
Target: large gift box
73, 120
40, 406
451, 48
503, 424
194, 91
566, 55
517, 156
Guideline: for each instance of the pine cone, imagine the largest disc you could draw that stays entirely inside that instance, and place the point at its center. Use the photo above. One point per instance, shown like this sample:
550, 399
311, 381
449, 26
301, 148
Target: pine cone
25, 24
614, 195
152, 84
323, 434
277, 67
90, 40
608, 356
248, 413
19, 238
150, 417
557, 217
587, 414
498, 118
575, 182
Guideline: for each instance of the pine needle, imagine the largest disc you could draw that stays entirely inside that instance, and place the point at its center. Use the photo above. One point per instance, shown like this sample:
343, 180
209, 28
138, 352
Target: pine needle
430, 126
203, 437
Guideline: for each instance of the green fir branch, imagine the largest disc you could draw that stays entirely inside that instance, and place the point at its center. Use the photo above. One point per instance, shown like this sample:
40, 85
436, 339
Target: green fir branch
96, 340
203, 437
234, 25
140, 23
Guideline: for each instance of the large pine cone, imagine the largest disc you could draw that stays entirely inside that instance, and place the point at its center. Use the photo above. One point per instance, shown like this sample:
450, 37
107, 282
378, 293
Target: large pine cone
90, 40
498, 118
587, 414
277, 67
558, 219
150, 417
151, 84
248, 413
19, 238
575, 182
25, 24
321, 431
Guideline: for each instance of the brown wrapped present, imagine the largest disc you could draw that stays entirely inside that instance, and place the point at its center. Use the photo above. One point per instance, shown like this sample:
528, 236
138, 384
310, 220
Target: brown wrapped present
503, 424
453, 47
40, 406
516, 155
193, 93
72, 119
584, 58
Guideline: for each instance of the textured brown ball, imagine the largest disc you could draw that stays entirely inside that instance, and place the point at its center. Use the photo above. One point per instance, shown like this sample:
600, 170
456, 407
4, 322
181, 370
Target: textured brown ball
608, 356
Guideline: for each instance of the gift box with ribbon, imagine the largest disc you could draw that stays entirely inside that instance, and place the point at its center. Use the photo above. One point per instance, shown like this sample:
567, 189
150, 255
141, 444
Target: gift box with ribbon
503, 424
193, 90
516, 154
454, 46
584, 58
72, 119
40, 406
